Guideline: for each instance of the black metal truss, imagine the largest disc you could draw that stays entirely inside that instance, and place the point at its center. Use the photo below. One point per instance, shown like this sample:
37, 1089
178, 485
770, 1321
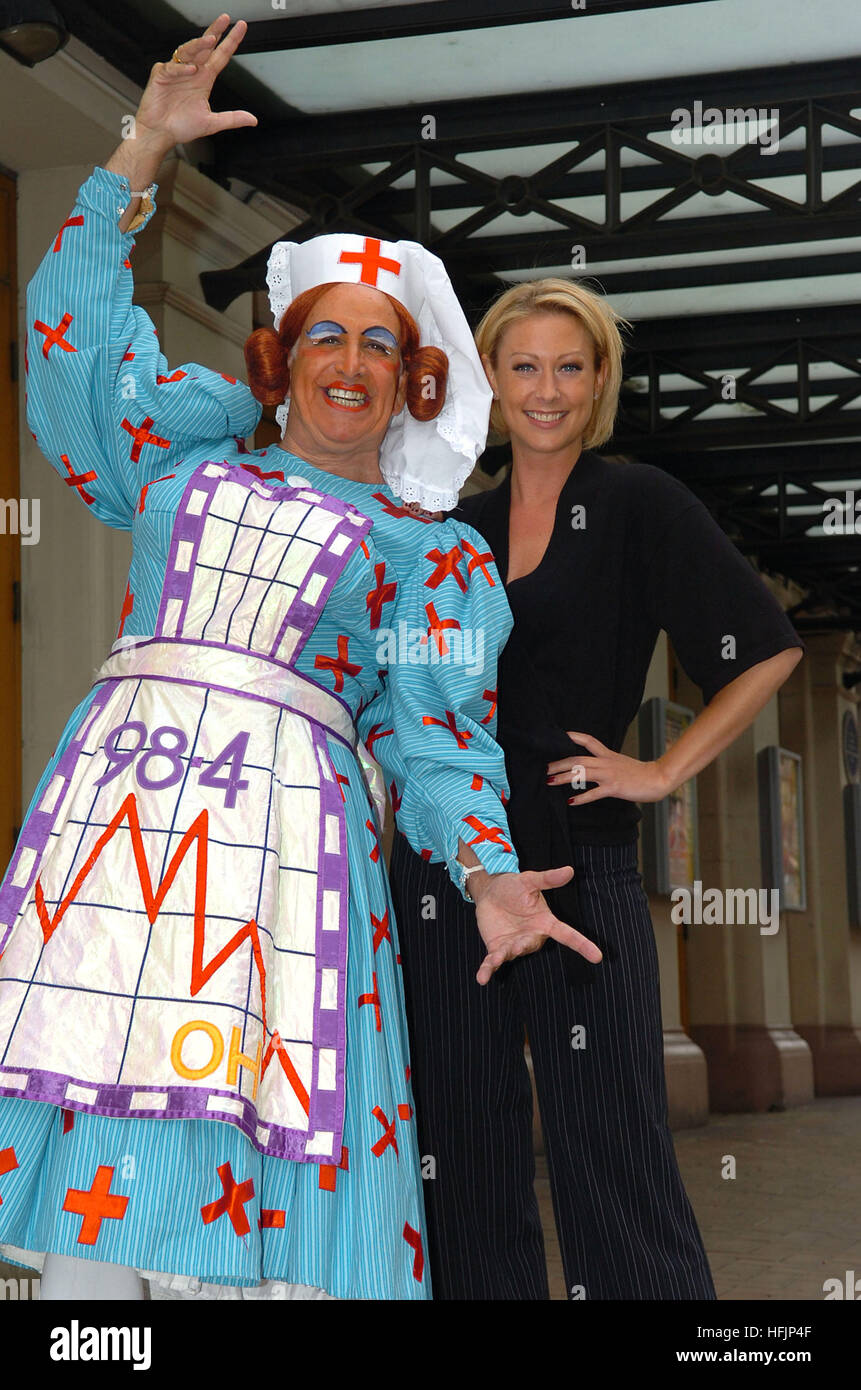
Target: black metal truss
411, 21
722, 360
807, 99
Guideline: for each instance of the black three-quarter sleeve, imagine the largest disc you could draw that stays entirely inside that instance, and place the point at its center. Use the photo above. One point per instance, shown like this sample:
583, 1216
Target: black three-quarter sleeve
716, 608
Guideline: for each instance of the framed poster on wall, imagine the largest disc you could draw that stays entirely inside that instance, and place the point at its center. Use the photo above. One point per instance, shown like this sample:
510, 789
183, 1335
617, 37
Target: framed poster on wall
670, 835
781, 826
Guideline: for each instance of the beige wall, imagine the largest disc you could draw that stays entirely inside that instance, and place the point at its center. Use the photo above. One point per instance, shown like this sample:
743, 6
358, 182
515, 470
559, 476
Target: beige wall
73, 580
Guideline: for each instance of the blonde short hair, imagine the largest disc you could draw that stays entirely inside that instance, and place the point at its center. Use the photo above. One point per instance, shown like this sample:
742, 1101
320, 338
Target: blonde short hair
602, 323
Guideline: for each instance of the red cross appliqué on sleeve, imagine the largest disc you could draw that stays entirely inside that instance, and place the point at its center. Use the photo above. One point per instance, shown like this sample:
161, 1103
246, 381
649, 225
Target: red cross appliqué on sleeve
479, 561
55, 337
490, 833
70, 222
383, 593
491, 696
146, 487
77, 480
178, 375
370, 260
96, 1205
232, 1201
392, 509
450, 723
376, 731
446, 564
339, 664
437, 627
141, 436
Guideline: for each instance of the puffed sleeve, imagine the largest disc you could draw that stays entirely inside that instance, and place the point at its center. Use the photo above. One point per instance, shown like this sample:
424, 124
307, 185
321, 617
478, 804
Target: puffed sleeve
432, 725
103, 404
718, 612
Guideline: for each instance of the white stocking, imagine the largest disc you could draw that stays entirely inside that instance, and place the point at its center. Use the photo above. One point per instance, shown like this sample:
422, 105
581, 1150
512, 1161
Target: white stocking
68, 1277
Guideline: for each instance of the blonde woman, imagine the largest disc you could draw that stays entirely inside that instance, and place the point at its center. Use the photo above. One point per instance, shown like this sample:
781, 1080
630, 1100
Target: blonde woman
597, 558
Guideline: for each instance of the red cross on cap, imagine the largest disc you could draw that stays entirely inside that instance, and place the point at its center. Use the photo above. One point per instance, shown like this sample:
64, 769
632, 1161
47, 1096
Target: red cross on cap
371, 261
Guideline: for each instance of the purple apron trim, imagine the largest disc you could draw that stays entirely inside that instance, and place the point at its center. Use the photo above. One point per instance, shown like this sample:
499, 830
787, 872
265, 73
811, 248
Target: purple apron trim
330, 1028
190, 526
183, 1103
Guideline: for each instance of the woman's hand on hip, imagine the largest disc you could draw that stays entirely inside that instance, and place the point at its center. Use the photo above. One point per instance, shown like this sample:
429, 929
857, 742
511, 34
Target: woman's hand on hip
175, 105
514, 920
614, 774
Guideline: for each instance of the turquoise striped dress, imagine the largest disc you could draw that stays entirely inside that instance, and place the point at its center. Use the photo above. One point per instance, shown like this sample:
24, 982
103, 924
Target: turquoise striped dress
193, 1200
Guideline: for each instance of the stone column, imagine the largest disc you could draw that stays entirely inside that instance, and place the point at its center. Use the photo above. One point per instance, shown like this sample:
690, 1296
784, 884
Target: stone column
739, 978
824, 952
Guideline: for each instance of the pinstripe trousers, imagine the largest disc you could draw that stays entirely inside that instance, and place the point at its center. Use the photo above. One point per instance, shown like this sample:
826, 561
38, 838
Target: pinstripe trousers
626, 1227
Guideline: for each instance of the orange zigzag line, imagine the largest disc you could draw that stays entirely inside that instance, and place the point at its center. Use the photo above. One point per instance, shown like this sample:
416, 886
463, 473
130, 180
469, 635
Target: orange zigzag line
198, 831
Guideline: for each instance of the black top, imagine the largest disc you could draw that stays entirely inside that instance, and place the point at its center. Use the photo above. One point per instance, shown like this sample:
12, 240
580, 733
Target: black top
632, 551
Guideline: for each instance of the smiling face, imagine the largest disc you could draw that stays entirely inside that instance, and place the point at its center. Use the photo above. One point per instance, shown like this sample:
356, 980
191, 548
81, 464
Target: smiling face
546, 379
346, 375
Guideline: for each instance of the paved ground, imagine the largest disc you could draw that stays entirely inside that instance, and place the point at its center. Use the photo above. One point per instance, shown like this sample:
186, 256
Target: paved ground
789, 1220
791, 1217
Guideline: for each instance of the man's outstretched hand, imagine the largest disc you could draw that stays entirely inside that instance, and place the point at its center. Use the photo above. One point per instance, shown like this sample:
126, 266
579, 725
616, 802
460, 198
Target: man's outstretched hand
514, 920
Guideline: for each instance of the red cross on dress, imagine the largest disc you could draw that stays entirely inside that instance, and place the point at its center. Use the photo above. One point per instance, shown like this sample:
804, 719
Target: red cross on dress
414, 1239
450, 723
8, 1164
232, 1201
381, 930
55, 337
388, 1137
125, 611
77, 480
383, 593
370, 260
329, 1171
96, 1205
339, 664
375, 1000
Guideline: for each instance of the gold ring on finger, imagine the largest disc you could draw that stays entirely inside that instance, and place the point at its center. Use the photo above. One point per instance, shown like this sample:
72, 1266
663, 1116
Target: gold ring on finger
174, 56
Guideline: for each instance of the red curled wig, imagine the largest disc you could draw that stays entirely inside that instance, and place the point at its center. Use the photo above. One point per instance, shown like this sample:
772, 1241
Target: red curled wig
267, 351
